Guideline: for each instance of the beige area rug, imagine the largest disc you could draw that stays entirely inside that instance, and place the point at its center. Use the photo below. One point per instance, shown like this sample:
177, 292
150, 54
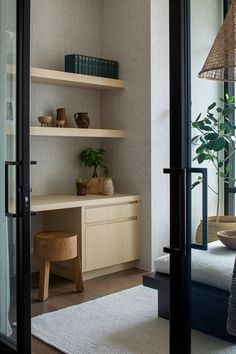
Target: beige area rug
121, 323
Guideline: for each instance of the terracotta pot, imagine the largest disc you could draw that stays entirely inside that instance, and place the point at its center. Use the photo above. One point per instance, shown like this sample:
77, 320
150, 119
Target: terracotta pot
81, 188
94, 185
61, 116
108, 187
82, 120
225, 223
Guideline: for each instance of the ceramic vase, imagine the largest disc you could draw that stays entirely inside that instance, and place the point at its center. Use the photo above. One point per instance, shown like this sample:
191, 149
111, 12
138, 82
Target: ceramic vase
82, 120
61, 117
108, 187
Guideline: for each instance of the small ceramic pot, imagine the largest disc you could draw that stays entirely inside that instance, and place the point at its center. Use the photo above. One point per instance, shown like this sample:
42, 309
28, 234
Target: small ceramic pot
108, 187
61, 116
45, 120
81, 188
82, 120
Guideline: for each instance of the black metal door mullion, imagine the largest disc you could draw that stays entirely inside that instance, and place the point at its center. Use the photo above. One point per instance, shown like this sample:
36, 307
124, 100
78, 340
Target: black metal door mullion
180, 157
23, 181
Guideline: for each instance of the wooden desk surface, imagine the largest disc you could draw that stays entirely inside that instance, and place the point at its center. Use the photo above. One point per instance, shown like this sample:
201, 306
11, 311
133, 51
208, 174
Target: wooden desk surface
56, 202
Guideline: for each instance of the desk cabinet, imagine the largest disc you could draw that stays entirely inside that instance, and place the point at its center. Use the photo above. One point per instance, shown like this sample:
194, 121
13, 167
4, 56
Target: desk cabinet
108, 233
110, 236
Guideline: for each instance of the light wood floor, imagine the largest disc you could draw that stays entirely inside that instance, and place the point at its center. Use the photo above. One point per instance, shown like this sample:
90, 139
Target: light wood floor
62, 294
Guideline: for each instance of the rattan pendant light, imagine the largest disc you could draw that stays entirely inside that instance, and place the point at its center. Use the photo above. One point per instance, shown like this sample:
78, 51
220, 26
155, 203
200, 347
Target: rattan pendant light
221, 61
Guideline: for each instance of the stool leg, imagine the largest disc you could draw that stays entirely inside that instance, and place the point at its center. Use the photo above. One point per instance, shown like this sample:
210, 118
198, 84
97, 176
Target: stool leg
79, 285
44, 280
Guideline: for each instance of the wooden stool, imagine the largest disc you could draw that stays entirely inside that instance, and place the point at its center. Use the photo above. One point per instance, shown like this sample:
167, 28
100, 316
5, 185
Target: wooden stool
56, 246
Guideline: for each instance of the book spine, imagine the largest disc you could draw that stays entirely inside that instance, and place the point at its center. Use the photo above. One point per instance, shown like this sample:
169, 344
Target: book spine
90, 66
86, 67
93, 64
99, 67
109, 69
96, 67
71, 63
116, 70
80, 64
104, 68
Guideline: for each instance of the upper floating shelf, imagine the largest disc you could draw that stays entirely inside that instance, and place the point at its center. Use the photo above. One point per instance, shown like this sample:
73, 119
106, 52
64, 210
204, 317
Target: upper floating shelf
53, 77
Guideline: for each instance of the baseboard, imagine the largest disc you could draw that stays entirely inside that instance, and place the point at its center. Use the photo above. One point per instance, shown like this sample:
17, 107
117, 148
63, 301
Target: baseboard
68, 273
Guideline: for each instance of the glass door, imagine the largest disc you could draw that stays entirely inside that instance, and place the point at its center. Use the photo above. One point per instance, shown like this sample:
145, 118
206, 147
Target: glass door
14, 177
202, 270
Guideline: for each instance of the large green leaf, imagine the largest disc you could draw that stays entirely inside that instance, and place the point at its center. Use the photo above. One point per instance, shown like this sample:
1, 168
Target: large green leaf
211, 106
195, 184
210, 145
231, 99
211, 136
200, 149
219, 144
207, 128
199, 116
201, 158
195, 138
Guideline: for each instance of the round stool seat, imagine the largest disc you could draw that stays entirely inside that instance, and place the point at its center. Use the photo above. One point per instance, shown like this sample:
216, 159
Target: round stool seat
55, 246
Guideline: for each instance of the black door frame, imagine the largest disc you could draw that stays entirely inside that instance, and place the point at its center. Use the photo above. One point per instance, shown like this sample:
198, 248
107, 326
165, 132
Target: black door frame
22, 163
180, 175
180, 178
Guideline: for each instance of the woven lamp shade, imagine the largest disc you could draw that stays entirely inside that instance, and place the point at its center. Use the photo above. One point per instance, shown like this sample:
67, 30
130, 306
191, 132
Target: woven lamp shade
221, 61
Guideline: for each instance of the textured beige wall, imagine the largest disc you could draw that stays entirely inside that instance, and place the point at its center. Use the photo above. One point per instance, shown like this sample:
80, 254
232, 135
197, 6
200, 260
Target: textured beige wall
60, 27
113, 29
126, 38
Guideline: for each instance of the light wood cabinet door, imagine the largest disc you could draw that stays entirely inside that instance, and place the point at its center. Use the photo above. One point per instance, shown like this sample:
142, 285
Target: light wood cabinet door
110, 244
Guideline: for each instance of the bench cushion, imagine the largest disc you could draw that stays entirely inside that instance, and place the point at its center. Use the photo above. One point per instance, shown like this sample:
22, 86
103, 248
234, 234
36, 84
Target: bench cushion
213, 267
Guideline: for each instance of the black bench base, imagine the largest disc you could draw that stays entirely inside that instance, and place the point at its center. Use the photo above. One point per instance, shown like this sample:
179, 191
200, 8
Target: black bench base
209, 306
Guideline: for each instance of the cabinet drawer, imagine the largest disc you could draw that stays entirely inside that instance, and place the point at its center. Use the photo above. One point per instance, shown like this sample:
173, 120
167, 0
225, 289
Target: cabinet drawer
113, 212
111, 244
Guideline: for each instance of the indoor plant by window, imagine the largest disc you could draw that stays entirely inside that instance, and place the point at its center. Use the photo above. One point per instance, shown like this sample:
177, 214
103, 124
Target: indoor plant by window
215, 141
94, 158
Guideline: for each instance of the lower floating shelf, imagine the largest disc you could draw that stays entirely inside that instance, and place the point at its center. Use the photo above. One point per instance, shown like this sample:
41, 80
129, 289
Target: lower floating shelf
77, 132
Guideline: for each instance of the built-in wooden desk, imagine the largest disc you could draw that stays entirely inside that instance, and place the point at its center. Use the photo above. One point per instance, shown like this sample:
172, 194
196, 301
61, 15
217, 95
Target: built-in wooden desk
107, 228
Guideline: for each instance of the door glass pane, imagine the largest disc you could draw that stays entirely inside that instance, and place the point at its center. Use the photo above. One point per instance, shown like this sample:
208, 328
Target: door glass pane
7, 180
212, 269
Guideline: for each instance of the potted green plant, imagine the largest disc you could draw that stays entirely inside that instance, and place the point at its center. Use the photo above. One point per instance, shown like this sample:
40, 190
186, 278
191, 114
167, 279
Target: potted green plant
81, 186
94, 158
215, 143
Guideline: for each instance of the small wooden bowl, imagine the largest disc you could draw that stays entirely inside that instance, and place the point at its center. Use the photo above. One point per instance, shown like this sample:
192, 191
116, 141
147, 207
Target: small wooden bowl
228, 238
45, 120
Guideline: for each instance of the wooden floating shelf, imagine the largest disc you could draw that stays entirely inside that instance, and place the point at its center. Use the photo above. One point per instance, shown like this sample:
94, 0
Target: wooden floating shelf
61, 78
76, 132
73, 132
53, 77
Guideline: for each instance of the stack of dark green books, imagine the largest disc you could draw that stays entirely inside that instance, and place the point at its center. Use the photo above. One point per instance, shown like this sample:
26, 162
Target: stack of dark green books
82, 64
